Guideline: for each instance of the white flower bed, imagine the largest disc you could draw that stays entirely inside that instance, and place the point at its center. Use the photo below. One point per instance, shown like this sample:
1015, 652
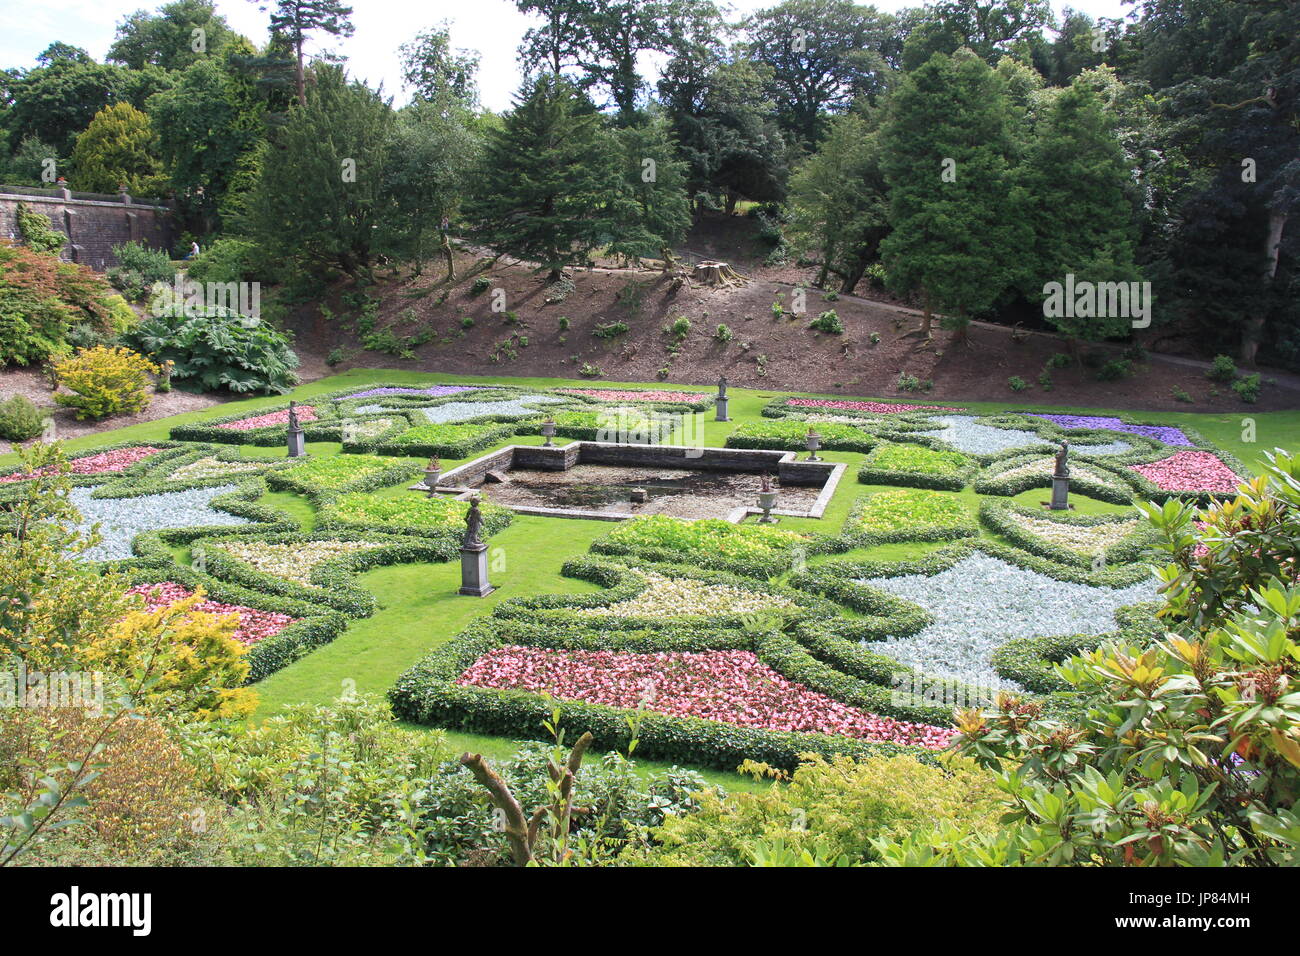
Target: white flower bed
463, 411
1082, 539
968, 435
362, 429
211, 467
1047, 466
981, 603
292, 562
667, 597
121, 519
1117, 447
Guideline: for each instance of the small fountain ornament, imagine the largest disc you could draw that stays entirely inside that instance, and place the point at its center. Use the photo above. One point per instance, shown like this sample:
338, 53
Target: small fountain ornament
548, 432
812, 441
767, 500
432, 475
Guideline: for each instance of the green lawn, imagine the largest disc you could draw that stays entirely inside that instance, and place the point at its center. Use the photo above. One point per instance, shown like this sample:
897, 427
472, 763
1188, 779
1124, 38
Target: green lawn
418, 604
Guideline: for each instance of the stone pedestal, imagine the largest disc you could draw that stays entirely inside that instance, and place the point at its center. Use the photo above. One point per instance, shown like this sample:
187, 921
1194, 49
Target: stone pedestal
474, 571
1060, 494
721, 404
297, 443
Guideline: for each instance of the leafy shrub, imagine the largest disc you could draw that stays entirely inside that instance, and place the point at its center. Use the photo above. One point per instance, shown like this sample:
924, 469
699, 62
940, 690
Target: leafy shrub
105, 381
20, 420
43, 300
480, 285
610, 330
1059, 360
1017, 384
37, 232
467, 323
220, 350
680, 328
139, 267
831, 809
828, 321
876, 275
1223, 369
1180, 394
590, 371
1247, 388
723, 333
910, 383
226, 260
1045, 380
1114, 370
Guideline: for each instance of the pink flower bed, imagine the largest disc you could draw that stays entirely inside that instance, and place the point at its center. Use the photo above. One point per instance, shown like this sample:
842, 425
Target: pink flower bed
254, 624
733, 687
1190, 471
629, 395
880, 408
306, 413
106, 461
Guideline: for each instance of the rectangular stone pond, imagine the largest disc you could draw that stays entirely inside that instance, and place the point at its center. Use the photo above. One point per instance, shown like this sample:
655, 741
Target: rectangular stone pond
606, 481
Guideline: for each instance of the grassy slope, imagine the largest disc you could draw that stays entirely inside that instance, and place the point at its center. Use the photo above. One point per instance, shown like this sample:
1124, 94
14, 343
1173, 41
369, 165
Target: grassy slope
419, 607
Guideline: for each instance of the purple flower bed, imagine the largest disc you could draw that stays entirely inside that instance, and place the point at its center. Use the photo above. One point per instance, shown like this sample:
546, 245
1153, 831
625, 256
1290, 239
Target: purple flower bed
1164, 433
433, 391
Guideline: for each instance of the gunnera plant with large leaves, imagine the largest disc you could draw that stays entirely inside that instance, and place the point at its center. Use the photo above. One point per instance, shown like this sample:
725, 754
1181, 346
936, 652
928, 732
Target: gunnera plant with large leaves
219, 349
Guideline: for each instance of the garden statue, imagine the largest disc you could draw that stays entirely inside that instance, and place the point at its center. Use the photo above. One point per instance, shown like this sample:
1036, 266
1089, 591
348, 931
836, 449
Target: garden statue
297, 443
1061, 480
473, 555
721, 401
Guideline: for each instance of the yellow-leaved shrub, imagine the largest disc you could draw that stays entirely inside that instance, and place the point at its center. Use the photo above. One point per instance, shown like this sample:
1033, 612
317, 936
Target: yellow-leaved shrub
105, 381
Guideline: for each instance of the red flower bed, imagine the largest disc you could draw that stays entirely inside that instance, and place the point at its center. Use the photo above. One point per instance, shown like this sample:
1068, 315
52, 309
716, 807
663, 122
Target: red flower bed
1190, 471
733, 687
106, 461
254, 624
628, 395
306, 413
880, 408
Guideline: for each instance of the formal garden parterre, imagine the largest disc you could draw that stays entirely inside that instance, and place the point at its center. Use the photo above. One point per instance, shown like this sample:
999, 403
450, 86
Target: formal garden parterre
936, 580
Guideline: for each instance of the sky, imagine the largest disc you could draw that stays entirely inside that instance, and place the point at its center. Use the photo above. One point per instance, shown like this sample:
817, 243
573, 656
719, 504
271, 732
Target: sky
492, 27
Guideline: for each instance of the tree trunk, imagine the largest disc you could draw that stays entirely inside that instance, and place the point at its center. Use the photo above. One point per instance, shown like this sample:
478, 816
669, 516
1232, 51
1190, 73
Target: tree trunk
852, 278
1252, 332
731, 202
717, 274
451, 260
299, 80
927, 319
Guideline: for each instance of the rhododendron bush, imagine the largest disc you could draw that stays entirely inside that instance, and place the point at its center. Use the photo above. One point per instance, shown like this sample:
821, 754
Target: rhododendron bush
732, 687
1190, 471
254, 624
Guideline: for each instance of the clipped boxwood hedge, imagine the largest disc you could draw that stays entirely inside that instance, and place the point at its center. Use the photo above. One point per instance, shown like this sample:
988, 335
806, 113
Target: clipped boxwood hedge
917, 466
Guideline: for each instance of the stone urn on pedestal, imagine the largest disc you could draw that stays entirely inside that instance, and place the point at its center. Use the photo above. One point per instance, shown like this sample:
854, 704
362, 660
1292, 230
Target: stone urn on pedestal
767, 501
548, 432
812, 441
432, 475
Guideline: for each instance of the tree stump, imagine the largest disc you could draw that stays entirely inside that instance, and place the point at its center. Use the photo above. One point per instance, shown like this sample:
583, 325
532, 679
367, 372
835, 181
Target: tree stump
718, 274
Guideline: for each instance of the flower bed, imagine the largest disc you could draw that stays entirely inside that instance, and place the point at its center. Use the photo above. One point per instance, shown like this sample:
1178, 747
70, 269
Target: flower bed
1069, 538
757, 550
791, 435
431, 391
254, 624
968, 435
210, 466
506, 408
910, 515
1194, 471
339, 472
409, 514
122, 519
443, 441
916, 466
981, 602
1163, 433
1011, 476
106, 462
665, 597
878, 408
290, 562
306, 413
732, 687
635, 395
